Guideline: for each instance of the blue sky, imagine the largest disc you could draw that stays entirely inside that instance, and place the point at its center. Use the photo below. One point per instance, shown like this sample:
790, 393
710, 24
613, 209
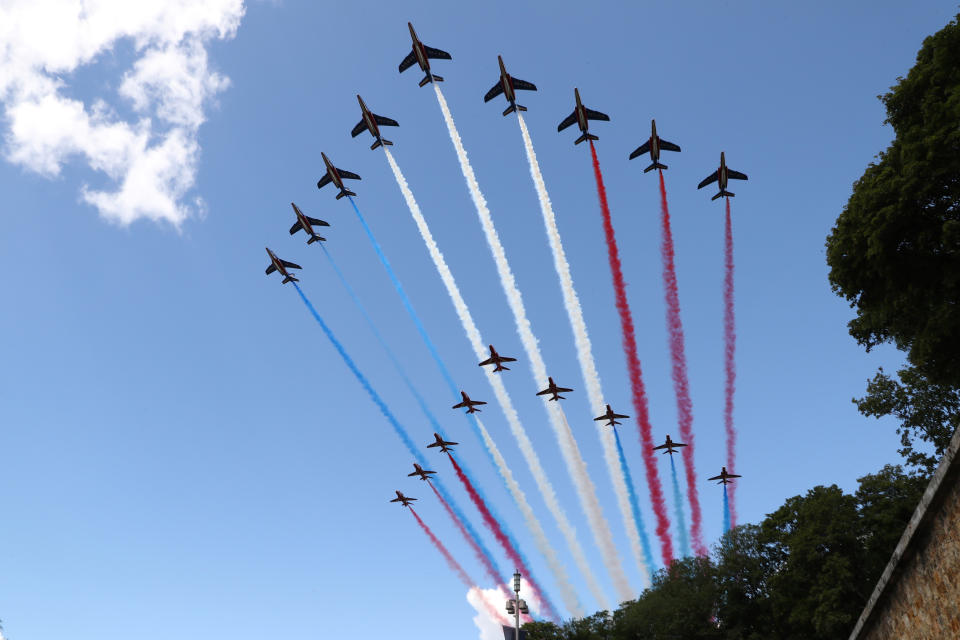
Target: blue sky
185, 453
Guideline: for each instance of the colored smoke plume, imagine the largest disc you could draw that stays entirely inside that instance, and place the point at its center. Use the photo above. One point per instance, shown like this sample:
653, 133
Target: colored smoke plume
729, 361
482, 599
632, 496
678, 358
633, 366
678, 511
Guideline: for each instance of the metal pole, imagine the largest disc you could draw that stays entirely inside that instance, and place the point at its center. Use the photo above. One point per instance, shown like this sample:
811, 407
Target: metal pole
516, 588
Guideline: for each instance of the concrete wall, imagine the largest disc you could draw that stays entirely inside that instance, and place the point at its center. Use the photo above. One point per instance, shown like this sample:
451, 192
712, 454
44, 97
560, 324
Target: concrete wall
918, 595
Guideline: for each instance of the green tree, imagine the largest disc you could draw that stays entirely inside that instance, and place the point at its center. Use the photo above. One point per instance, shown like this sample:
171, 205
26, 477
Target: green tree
886, 500
928, 413
895, 250
743, 570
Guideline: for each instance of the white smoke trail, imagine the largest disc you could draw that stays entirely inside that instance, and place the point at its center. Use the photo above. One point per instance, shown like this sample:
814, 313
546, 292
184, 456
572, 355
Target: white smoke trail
568, 445
588, 368
568, 593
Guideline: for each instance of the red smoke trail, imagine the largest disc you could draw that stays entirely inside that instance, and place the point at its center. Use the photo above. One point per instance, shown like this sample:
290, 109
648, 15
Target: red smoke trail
678, 357
487, 565
729, 350
494, 527
452, 562
636, 375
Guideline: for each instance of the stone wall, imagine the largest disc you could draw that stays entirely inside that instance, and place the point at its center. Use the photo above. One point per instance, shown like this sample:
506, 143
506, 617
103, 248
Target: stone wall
918, 595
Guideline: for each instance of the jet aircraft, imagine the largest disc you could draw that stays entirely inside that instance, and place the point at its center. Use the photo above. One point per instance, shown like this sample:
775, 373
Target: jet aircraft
654, 145
555, 390
581, 115
610, 415
276, 264
372, 123
336, 176
721, 176
724, 477
445, 447
307, 223
669, 445
498, 360
404, 500
419, 471
508, 86
471, 405
421, 54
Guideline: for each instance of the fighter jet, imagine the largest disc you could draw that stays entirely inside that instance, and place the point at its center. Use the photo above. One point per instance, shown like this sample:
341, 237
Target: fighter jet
306, 223
421, 54
336, 176
654, 146
724, 477
721, 176
404, 500
581, 115
610, 415
498, 360
471, 405
555, 390
669, 445
445, 446
508, 86
419, 471
276, 264
372, 122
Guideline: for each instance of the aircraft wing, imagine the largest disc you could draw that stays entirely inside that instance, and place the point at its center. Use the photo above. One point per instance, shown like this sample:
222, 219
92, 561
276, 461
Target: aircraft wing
487, 361
459, 405
296, 227
720, 477
668, 146
290, 265
524, 85
545, 392
436, 54
324, 181
621, 416
506, 359
596, 115
271, 268
562, 389
348, 174
642, 149
736, 174
494, 92
570, 119
710, 178
360, 128
664, 446
408, 61
385, 122
317, 222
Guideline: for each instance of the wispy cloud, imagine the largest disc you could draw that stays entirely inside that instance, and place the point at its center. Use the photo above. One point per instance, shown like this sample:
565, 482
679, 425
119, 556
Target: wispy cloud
152, 159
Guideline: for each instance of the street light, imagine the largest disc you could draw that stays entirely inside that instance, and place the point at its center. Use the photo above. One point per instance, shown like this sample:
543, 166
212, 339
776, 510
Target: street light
516, 606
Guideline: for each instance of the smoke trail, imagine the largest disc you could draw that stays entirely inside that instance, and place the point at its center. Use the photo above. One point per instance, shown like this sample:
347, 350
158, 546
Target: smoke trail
678, 511
408, 305
633, 366
495, 529
678, 359
568, 446
729, 351
473, 539
453, 564
516, 427
634, 503
377, 400
726, 510
492, 572
623, 488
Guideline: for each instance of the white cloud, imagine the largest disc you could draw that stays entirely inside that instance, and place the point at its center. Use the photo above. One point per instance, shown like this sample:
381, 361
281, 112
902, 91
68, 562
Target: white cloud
489, 603
152, 161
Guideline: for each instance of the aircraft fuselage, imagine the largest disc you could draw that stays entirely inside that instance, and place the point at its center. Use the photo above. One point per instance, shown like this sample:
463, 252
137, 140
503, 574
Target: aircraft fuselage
332, 172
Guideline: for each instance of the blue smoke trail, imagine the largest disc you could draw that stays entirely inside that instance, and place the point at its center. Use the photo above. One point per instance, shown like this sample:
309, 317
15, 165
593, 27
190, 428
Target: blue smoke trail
416, 394
448, 378
397, 427
634, 504
726, 510
678, 508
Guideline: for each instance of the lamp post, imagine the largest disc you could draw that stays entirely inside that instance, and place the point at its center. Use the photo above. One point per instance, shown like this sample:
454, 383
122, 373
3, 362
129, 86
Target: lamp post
516, 606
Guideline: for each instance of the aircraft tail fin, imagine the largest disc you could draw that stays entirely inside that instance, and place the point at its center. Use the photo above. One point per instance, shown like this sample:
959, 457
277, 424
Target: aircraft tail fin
315, 238
723, 192
379, 143
585, 136
655, 165
345, 192
514, 107
290, 279
430, 78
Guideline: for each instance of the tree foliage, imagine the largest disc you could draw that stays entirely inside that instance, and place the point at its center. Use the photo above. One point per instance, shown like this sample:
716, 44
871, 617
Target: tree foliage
895, 250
